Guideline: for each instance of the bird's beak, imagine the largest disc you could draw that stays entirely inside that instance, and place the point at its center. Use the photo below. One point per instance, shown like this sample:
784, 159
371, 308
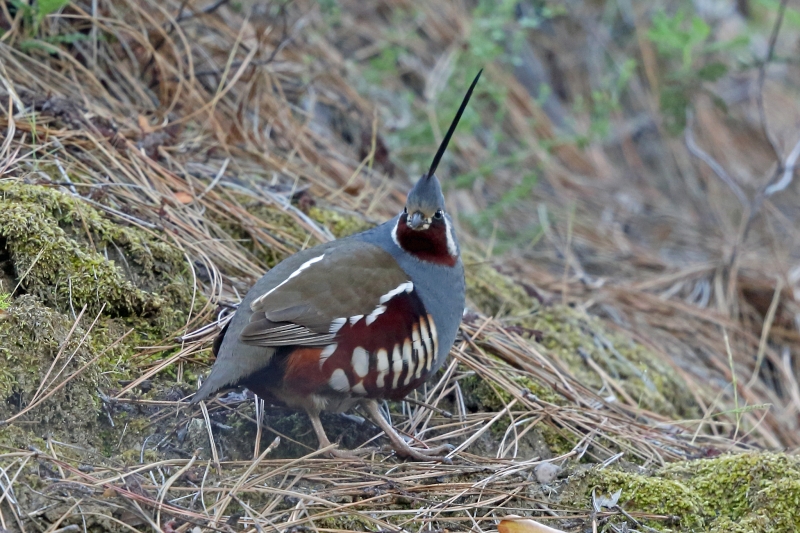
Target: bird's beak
417, 221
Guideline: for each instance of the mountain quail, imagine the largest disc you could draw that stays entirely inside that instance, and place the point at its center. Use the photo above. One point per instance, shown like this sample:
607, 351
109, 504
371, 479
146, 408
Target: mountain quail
354, 321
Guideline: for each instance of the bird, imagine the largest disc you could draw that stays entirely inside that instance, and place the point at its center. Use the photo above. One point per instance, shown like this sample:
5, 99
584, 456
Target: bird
355, 321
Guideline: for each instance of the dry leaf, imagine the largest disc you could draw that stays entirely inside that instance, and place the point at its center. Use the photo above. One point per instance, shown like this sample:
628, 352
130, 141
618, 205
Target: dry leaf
184, 197
515, 524
144, 124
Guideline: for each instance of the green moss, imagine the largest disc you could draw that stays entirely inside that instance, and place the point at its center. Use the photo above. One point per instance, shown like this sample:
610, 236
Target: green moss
5, 301
345, 522
493, 293
69, 255
18, 438
339, 222
30, 337
66, 255
557, 441
279, 225
743, 493
573, 337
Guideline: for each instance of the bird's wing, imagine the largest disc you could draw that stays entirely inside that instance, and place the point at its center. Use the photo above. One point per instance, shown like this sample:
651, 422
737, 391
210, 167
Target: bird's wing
308, 307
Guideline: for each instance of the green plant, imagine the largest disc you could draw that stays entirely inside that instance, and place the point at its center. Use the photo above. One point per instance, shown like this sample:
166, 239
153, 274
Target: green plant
5, 301
32, 18
684, 43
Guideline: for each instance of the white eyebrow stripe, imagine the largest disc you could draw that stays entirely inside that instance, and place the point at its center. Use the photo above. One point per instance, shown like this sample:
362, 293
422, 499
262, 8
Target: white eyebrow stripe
294, 274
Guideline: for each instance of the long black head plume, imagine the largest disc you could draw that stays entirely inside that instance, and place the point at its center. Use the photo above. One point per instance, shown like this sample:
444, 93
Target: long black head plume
446, 140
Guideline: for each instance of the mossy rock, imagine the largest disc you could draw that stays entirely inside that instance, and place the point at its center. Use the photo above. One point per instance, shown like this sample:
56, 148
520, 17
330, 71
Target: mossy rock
341, 223
69, 255
31, 335
741, 493
65, 255
574, 337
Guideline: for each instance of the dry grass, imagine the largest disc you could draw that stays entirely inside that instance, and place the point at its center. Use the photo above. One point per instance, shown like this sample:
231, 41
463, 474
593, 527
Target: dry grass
165, 113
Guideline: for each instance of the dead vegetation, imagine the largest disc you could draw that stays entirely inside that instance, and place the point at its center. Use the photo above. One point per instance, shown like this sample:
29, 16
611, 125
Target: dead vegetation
633, 311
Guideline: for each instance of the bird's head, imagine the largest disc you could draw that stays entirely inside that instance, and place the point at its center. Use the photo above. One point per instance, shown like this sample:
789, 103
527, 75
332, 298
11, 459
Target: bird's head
423, 228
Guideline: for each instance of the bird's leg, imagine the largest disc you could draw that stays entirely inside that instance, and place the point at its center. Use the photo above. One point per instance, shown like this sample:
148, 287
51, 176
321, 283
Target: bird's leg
400, 446
324, 442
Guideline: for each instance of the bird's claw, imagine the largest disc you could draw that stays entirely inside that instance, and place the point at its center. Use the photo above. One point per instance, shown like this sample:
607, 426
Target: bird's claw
357, 454
439, 453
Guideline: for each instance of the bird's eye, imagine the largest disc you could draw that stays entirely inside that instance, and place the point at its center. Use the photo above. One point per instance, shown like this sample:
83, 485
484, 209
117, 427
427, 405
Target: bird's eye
405, 210
438, 215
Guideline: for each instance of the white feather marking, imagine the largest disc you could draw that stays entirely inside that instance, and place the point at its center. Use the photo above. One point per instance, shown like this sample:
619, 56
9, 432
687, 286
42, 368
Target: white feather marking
451, 242
434, 337
373, 316
394, 234
408, 360
358, 388
383, 367
338, 381
336, 325
419, 350
294, 274
403, 287
397, 365
360, 362
356, 318
327, 352
426, 339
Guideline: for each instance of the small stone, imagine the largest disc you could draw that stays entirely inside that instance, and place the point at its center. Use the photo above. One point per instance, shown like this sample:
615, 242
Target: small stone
546, 472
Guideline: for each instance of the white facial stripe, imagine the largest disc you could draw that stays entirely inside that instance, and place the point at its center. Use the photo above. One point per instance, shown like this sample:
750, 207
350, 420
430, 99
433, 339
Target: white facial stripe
397, 365
327, 352
354, 319
407, 287
360, 362
375, 314
383, 367
451, 242
358, 388
426, 339
294, 274
338, 381
394, 234
408, 360
336, 325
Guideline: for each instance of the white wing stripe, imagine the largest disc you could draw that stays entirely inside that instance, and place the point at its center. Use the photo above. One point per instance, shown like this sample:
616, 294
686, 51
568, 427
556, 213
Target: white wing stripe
294, 274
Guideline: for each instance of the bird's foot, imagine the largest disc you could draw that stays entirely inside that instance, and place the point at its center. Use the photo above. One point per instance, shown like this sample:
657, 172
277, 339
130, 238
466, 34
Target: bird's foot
438, 453
357, 454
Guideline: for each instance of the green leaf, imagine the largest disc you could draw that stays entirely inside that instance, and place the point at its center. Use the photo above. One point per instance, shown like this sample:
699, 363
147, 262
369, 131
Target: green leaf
46, 7
69, 38
712, 71
34, 44
699, 31
674, 102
